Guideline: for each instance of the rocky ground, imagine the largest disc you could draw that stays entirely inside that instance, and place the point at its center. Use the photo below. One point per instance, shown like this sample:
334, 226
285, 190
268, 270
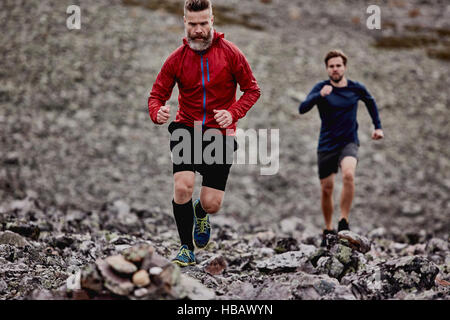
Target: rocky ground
122, 252
85, 174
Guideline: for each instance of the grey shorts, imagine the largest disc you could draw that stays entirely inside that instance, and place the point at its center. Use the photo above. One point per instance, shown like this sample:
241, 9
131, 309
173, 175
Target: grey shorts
329, 162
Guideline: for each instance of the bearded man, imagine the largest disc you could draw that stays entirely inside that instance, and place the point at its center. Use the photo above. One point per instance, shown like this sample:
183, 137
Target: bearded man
207, 69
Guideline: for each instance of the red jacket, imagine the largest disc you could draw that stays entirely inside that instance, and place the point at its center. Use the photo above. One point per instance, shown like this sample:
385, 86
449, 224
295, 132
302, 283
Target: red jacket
206, 82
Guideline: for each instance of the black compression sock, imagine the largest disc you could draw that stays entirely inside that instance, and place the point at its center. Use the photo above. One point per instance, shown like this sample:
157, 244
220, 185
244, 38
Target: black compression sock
199, 211
184, 218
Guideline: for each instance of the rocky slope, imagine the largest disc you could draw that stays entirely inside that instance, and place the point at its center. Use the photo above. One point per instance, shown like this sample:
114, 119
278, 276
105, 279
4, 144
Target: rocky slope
121, 252
84, 171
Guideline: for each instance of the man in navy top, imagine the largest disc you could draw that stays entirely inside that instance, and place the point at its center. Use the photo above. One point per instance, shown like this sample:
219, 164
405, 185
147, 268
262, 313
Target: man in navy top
337, 101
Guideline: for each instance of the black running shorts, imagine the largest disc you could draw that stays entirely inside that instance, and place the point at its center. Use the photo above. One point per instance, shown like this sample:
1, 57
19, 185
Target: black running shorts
215, 175
329, 162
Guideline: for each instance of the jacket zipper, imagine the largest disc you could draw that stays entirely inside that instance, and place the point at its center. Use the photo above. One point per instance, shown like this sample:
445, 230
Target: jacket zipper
204, 86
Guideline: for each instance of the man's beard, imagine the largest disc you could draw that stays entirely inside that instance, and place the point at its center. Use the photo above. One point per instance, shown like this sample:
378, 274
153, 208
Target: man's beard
336, 78
204, 44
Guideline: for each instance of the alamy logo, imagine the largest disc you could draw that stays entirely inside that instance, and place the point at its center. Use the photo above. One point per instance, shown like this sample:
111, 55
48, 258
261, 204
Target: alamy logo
73, 22
211, 146
374, 21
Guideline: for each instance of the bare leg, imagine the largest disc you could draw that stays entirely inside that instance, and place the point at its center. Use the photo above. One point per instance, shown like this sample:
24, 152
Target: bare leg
348, 167
211, 199
183, 186
327, 186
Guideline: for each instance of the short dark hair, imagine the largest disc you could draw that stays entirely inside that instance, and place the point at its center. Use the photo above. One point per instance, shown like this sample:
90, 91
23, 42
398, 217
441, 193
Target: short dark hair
334, 54
197, 5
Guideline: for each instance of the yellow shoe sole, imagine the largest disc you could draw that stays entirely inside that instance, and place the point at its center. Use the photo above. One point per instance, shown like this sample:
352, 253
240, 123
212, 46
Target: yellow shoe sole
183, 264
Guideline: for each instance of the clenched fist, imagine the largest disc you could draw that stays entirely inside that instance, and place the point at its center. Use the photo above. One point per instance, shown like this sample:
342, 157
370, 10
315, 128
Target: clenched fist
223, 118
377, 134
326, 90
163, 114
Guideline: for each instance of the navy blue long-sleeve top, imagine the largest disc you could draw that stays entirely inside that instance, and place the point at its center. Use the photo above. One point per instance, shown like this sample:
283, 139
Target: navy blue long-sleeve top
338, 113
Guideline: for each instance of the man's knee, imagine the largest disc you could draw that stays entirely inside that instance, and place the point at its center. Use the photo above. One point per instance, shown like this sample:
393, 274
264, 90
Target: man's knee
348, 177
211, 204
183, 191
327, 188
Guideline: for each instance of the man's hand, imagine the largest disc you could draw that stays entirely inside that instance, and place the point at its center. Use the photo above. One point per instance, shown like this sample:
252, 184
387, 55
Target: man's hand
377, 134
223, 118
163, 114
326, 90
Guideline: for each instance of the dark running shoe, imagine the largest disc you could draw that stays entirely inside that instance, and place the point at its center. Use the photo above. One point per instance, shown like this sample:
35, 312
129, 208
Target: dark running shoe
202, 228
343, 225
324, 236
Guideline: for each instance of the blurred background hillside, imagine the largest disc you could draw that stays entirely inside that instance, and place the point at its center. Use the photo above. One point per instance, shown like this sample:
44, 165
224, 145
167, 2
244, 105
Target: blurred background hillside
75, 130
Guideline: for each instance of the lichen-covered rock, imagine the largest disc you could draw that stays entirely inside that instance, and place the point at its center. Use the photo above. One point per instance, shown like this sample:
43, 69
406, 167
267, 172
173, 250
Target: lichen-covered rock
385, 279
344, 254
411, 272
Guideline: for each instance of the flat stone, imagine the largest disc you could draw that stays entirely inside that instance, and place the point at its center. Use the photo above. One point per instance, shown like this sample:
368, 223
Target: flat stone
119, 264
113, 282
357, 242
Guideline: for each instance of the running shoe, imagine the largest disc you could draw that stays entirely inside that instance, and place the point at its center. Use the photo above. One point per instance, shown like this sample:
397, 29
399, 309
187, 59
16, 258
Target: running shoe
343, 225
202, 228
185, 257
